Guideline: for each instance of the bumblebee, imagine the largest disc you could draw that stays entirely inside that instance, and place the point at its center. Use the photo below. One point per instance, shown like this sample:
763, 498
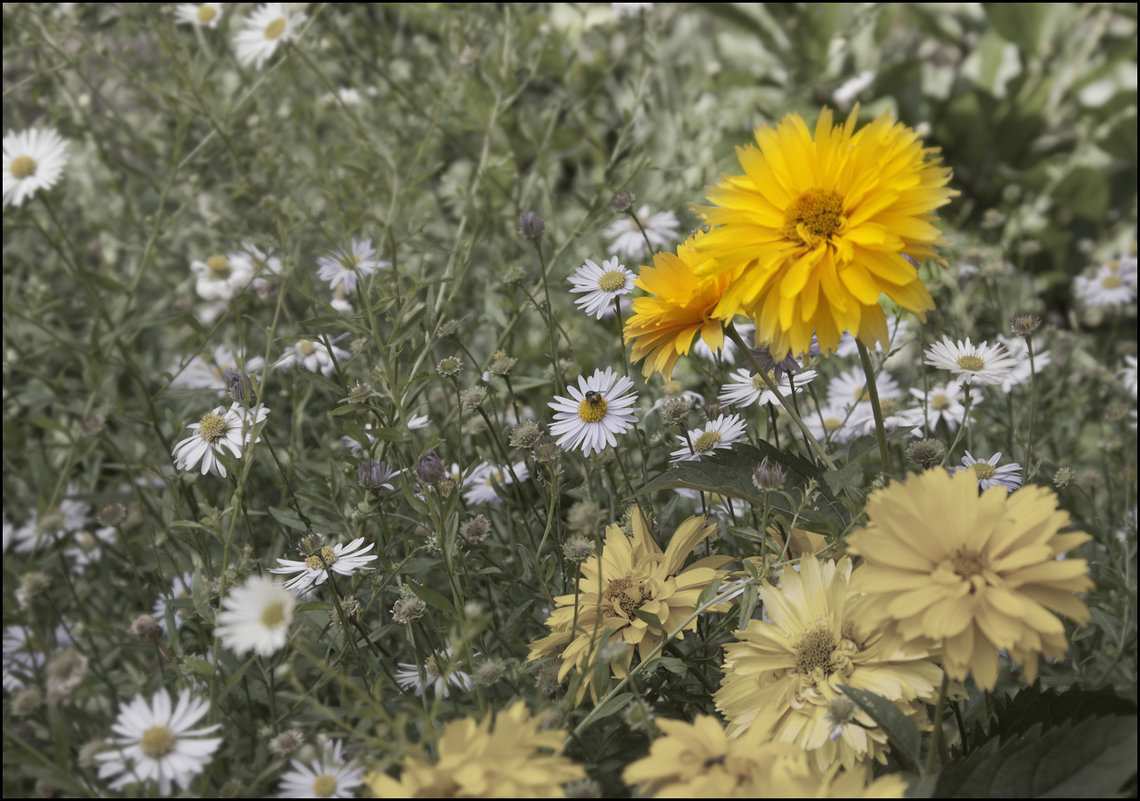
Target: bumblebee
593, 397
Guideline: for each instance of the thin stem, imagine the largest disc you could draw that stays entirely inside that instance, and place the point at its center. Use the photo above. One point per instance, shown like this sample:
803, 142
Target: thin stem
938, 743
876, 408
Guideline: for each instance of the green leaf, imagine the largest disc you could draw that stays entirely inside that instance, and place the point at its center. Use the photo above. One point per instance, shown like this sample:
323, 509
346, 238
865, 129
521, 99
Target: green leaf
613, 706
906, 742
432, 597
1020, 23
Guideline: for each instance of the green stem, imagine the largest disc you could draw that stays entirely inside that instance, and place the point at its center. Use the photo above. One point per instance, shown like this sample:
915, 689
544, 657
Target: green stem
938, 743
876, 408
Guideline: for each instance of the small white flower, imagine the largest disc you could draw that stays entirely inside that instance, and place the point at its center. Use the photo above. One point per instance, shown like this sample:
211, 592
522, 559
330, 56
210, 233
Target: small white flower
717, 434
849, 90
746, 388
601, 285
862, 418
418, 421
41, 531
267, 267
850, 388
662, 230
204, 15
156, 742
86, 548
222, 276
209, 372
942, 404
599, 408
313, 355
483, 483
1019, 350
341, 267
830, 424
219, 430
989, 474
1109, 286
898, 331
256, 616
343, 560
1128, 375
326, 777
181, 587
976, 365
271, 25
33, 160
23, 657
417, 678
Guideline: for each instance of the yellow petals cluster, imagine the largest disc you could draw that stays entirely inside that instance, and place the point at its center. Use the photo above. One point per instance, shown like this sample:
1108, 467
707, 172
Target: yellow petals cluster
820, 637
630, 575
478, 760
972, 572
679, 306
699, 760
817, 228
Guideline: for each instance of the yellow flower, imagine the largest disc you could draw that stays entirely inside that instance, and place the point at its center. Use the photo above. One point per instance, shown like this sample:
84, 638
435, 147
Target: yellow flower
791, 668
679, 306
818, 229
972, 572
477, 760
699, 760
630, 575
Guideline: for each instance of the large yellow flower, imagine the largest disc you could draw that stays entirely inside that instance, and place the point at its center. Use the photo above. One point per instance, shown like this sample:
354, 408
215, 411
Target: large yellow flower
820, 637
630, 575
818, 229
972, 572
476, 760
699, 760
679, 306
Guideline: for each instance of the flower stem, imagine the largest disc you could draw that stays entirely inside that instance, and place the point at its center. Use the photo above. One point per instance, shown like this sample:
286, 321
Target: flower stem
938, 742
876, 408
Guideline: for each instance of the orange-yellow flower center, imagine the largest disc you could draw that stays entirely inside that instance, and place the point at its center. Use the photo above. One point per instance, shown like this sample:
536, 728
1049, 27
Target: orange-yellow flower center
813, 651
706, 442
273, 616
22, 167
219, 267
624, 595
592, 409
971, 362
814, 216
939, 402
306, 348
611, 281
157, 742
1111, 281
212, 427
983, 470
327, 556
206, 13
758, 381
968, 564
275, 28
324, 786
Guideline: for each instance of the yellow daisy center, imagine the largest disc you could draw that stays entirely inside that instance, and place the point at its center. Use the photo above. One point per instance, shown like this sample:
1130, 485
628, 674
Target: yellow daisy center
611, 281
592, 411
212, 427
273, 616
983, 470
813, 651
327, 556
157, 742
624, 596
939, 402
219, 267
206, 13
1111, 281
324, 786
973, 363
306, 348
431, 669
968, 564
758, 381
275, 28
22, 167
706, 442
887, 406
831, 423
814, 216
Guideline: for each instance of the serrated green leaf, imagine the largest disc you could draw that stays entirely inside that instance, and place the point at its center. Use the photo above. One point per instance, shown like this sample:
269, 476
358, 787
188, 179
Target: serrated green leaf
906, 742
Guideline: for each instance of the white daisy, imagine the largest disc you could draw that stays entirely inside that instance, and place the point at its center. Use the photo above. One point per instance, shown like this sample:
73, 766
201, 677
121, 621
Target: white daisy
204, 15
601, 285
830, 424
727, 352
33, 160
662, 230
418, 421
325, 777
746, 388
1107, 287
942, 404
718, 434
483, 483
1019, 350
256, 616
181, 587
343, 560
342, 267
599, 408
850, 388
70, 515
862, 418
208, 372
222, 276
23, 657
267, 267
417, 678
976, 365
87, 548
313, 355
989, 474
156, 742
218, 430
1128, 375
271, 25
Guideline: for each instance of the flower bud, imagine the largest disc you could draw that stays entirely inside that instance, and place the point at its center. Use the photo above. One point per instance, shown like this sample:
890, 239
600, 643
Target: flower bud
531, 225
